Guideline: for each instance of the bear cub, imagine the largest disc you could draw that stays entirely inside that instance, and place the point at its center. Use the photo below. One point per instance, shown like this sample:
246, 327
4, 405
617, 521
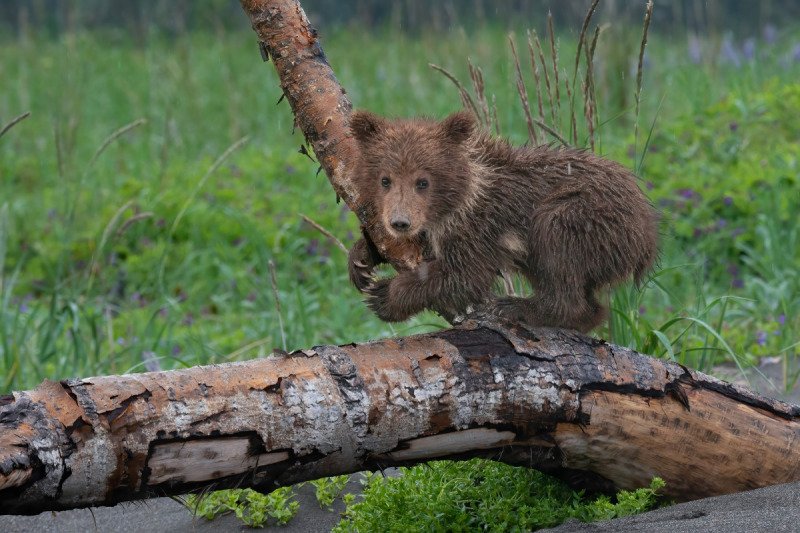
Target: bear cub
569, 221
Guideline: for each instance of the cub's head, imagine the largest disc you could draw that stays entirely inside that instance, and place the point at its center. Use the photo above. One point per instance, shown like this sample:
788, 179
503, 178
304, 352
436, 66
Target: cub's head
413, 172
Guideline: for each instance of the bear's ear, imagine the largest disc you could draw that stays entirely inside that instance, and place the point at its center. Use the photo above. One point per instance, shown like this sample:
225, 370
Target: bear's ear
458, 126
365, 125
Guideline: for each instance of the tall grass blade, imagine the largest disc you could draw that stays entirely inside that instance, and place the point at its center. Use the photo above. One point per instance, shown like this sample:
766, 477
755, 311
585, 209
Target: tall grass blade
639, 71
523, 94
14, 121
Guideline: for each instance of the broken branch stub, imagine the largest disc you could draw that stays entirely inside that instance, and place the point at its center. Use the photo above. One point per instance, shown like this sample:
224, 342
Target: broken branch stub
321, 109
600, 416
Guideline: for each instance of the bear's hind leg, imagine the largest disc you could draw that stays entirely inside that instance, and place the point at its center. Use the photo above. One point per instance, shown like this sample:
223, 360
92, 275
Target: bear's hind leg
554, 305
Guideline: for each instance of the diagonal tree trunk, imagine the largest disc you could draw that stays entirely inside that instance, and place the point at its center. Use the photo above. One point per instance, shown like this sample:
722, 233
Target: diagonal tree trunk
321, 108
600, 416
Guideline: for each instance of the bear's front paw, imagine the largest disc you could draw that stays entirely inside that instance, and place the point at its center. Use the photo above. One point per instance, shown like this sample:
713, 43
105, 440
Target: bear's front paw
361, 274
361, 265
378, 300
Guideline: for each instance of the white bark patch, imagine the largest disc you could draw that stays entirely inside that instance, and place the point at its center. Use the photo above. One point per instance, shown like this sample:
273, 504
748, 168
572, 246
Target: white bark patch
452, 443
91, 464
205, 460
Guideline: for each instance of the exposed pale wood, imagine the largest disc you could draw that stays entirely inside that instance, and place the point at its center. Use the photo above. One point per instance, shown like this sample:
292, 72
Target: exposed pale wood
643, 437
600, 416
206, 460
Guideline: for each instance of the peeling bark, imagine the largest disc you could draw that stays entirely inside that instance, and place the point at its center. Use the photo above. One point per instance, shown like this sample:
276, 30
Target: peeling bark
600, 416
321, 109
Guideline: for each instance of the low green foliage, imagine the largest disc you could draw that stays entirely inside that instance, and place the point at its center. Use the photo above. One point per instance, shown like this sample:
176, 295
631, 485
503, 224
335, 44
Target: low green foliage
479, 495
473, 495
252, 508
327, 489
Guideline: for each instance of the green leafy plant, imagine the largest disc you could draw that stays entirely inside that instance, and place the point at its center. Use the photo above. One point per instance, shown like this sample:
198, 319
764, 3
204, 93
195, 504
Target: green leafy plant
252, 508
327, 489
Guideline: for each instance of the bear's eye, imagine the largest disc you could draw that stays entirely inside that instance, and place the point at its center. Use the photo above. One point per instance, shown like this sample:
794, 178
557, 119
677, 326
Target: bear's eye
422, 183
385, 182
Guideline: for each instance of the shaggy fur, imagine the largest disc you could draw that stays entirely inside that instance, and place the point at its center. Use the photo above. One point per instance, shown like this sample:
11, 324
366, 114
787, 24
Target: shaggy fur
568, 220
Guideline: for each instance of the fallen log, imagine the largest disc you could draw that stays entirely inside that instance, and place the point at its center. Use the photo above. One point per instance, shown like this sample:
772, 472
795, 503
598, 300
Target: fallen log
600, 416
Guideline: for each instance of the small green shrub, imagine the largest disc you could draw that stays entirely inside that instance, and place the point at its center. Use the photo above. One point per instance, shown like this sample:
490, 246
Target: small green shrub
328, 488
252, 508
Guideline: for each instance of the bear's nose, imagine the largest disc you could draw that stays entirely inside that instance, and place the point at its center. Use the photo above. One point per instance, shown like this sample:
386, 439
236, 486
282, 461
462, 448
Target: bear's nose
401, 223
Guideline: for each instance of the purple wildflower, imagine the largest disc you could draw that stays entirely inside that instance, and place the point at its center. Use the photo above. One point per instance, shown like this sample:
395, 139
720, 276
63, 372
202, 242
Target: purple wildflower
733, 126
150, 361
729, 53
796, 52
650, 185
688, 193
749, 49
313, 247
736, 232
176, 350
695, 50
761, 338
642, 310
721, 223
121, 341
737, 283
728, 201
770, 34
782, 319
138, 299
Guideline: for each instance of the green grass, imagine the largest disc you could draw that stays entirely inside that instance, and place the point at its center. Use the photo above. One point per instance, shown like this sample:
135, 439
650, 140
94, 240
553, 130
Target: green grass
122, 246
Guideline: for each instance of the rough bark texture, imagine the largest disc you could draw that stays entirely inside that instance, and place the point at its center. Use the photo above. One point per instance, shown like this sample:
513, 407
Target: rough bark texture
600, 416
320, 106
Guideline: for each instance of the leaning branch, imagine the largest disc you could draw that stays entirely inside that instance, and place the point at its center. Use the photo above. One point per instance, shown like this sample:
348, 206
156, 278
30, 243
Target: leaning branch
320, 106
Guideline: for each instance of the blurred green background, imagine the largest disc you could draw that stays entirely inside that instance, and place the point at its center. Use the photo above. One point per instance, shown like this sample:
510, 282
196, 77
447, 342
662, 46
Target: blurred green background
141, 202
157, 177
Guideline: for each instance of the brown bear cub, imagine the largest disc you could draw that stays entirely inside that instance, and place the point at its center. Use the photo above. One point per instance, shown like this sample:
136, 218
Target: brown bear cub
566, 219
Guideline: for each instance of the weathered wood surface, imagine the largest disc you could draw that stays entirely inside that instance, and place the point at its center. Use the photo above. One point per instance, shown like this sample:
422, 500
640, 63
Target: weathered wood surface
321, 108
600, 416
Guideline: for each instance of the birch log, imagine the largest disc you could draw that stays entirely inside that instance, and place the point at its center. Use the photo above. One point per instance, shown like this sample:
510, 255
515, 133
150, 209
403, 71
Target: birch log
600, 416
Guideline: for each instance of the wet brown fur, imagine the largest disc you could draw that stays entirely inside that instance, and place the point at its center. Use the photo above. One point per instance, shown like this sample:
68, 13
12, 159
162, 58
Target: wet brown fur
569, 221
